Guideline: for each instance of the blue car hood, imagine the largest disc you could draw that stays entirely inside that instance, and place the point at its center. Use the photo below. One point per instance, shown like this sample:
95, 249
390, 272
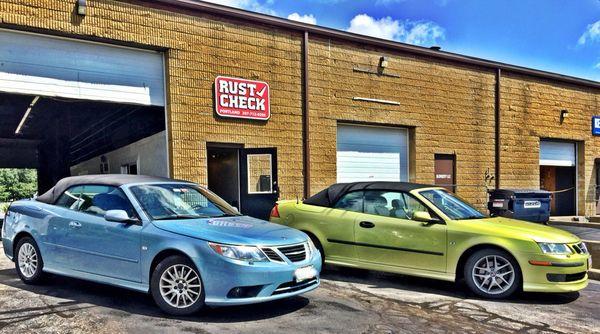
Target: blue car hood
242, 230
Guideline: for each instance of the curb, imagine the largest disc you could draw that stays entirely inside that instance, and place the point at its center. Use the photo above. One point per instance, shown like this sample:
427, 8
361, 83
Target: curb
574, 224
594, 274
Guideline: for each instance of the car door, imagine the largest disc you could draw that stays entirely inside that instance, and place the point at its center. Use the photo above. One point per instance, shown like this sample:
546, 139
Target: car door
337, 224
386, 234
102, 247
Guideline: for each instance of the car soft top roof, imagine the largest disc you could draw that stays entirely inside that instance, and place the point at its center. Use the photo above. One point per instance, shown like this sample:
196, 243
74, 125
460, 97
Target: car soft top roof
330, 196
115, 180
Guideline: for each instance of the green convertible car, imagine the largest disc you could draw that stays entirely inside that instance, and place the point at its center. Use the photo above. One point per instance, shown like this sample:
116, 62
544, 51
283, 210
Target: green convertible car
426, 231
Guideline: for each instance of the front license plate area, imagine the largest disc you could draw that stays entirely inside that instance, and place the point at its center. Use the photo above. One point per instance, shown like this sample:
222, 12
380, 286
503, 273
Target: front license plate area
305, 274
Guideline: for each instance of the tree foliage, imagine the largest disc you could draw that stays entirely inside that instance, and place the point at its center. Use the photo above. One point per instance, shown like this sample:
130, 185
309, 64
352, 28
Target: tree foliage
17, 184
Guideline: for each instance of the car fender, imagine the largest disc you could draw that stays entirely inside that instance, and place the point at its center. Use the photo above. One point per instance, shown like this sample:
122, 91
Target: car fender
514, 247
157, 241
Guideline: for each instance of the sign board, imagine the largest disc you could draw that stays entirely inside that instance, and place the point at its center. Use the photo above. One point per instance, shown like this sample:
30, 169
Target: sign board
596, 125
241, 98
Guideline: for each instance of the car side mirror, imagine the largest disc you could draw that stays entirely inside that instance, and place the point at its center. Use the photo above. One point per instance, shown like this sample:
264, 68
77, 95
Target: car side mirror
424, 217
118, 216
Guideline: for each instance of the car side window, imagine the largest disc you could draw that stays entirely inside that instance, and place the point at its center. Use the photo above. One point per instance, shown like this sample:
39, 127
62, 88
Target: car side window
351, 202
96, 200
71, 198
392, 204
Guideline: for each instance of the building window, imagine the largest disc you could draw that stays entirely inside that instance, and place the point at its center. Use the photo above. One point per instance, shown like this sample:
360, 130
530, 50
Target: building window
260, 175
129, 169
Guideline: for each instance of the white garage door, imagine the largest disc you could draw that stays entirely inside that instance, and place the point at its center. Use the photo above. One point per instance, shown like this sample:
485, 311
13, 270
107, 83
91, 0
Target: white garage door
556, 153
47, 66
368, 153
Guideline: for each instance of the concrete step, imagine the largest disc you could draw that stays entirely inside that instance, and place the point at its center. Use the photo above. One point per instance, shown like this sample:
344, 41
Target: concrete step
594, 274
594, 249
594, 219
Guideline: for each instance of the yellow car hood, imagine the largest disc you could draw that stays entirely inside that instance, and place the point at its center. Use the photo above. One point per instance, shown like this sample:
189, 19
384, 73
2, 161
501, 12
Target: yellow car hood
517, 228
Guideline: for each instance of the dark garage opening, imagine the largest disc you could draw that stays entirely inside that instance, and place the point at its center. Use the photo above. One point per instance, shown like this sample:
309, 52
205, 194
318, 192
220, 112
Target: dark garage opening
53, 135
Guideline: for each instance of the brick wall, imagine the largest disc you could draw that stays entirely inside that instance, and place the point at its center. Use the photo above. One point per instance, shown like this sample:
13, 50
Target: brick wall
531, 110
448, 107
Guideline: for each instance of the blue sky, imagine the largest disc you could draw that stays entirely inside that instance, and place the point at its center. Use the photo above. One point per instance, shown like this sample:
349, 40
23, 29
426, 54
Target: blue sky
560, 36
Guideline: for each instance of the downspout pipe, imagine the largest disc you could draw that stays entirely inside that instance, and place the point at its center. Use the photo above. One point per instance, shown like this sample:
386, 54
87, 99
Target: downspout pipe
497, 120
305, 115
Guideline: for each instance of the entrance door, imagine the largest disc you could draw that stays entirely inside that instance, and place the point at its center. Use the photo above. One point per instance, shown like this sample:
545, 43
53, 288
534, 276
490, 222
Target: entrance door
258, 181
445, 167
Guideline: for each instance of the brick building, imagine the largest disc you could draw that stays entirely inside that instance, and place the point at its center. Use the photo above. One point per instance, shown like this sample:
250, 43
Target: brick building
140, 98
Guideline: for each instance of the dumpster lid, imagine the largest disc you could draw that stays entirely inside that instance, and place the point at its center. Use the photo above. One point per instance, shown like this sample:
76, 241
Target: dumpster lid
519, 192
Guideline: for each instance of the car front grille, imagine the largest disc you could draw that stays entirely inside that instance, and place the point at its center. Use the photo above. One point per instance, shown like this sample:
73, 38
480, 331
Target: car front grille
293, 253
580, 248
566, 277
296, 253
272, 255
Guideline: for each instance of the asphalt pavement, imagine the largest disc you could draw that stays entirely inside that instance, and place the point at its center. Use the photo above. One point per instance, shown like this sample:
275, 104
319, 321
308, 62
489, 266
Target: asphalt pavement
348, 301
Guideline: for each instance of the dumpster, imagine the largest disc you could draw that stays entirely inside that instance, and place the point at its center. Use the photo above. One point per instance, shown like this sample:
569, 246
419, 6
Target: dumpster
522, 204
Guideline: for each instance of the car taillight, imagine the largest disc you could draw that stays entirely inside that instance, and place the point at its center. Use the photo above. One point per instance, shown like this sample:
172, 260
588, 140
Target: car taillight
275, 211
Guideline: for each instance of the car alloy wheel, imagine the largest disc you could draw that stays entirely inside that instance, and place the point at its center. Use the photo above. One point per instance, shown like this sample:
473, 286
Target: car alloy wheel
176, 286
180, 286
493, 274
28, 260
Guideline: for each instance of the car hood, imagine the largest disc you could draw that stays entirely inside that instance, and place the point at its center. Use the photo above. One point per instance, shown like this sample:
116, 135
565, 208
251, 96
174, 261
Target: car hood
242, 230
518, 228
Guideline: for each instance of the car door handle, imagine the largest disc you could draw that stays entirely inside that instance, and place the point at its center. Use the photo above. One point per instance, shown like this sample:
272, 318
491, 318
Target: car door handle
366, 225
75, 225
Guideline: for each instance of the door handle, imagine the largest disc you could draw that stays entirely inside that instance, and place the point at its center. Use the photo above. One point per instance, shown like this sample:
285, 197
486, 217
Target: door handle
366, 225
75, 225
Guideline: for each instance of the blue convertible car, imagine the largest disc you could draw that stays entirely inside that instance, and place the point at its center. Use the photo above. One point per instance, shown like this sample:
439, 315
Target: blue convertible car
174, 239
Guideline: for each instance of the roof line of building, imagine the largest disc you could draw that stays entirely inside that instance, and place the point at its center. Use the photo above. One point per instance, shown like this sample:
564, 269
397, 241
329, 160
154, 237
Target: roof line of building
212, 8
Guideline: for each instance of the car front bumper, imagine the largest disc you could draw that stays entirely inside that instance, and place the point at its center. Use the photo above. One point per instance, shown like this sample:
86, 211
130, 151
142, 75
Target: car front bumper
555, 273
266, 281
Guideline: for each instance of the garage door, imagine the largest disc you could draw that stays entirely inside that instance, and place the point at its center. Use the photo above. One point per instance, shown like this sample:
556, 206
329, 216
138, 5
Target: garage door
557, 153
368, 153
47, 66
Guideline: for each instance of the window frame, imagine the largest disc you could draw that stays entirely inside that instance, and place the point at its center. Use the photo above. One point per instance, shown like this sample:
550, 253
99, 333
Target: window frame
362, 209
430, 210
135, 212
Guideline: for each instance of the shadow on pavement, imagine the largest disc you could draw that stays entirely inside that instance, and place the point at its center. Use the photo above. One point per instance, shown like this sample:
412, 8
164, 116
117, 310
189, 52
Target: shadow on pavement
381, 280
83, 294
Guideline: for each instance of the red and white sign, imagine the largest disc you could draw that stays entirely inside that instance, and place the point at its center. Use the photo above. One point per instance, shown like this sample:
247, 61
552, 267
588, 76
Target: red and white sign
240, 98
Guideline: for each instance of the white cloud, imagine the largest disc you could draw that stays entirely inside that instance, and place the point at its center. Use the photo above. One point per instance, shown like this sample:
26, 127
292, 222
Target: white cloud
412, 32
253, 5
597, 66
591, 34
308, 18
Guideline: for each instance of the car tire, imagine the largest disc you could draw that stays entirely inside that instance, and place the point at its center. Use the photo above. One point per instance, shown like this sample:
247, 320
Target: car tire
492, 273
28, 261
177, 286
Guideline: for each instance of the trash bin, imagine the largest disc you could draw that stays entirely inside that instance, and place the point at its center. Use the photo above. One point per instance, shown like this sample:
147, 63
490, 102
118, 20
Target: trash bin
522, 204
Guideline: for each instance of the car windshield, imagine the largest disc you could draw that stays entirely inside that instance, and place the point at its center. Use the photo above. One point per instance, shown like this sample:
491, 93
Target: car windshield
180, 201
451, 205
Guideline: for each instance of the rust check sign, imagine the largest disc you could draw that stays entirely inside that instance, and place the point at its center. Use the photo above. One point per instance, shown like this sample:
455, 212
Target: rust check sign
241, 98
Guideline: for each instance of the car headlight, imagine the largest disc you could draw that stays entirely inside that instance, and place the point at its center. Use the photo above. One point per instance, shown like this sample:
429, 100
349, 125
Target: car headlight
242, 253
549, 248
